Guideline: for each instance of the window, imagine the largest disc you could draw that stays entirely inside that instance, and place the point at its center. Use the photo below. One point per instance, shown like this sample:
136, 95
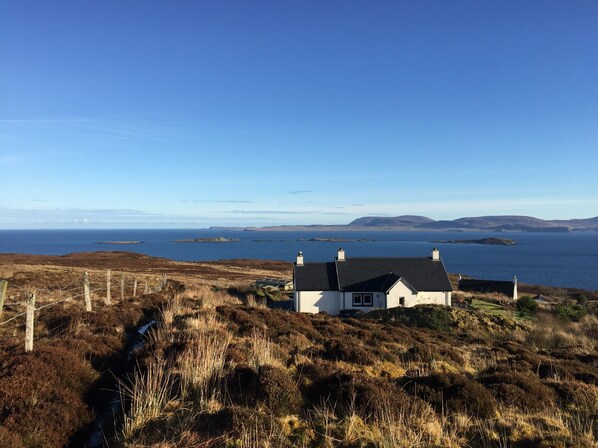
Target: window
401, 301
363, 299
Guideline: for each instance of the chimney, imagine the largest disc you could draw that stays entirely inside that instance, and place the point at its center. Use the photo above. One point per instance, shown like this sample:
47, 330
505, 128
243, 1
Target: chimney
515, 294
299, 259
435, 254
340, 255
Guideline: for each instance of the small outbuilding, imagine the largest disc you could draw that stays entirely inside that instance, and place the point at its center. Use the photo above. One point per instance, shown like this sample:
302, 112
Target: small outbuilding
274, 283
507, 288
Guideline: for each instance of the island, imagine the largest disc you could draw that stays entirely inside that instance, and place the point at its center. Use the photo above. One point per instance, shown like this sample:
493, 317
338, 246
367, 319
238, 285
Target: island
119, 242
336, 240
217, 239
490, 241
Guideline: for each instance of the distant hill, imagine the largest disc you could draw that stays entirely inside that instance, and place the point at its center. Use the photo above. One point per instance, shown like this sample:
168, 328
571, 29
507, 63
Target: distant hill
582, 224
501, 223
397, 221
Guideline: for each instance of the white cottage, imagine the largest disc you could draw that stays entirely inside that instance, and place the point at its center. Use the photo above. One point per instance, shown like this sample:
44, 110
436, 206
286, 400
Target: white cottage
369, 283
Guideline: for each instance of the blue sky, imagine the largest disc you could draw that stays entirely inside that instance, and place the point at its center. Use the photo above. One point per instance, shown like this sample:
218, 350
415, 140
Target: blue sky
197, 113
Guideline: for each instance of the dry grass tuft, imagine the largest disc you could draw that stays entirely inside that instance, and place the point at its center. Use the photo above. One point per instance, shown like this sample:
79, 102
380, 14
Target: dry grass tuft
551, 333
262, 351
202, 368
146, 396
209, 297
255, 302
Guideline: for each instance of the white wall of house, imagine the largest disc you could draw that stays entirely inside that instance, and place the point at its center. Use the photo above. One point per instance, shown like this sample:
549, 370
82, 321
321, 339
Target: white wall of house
434, 298
317, 301
332, 302
412, 298
399, 290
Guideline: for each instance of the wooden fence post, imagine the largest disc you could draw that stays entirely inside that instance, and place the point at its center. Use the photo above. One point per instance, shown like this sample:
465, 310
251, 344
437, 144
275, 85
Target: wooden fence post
122, 288
146, 288
86, 291
135, 288
108, 290
3, 286
163, 282
30, 319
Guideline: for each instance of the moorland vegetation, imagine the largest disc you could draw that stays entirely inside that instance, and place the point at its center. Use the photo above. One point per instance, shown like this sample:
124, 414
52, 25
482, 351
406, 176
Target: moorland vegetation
240, 375
220, 369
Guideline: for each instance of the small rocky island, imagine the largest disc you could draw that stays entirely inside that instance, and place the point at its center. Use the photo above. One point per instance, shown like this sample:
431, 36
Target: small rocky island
218, 239
336, 240
119, 242
490, 241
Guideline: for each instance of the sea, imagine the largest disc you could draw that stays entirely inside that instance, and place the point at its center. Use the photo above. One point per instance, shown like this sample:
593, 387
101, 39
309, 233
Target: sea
555, 259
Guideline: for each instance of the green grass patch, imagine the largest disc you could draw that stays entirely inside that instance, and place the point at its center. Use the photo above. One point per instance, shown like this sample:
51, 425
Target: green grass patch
498, 310
489, 307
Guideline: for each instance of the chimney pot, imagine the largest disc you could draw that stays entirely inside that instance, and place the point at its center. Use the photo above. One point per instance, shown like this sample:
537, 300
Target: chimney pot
340, 255
435, 254
299, 258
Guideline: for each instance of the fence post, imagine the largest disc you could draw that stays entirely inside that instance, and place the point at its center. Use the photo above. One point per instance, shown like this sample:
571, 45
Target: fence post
135, 288
122, 288
108, 291
86, 291
3, 286
163, 282
30, 319
146, 288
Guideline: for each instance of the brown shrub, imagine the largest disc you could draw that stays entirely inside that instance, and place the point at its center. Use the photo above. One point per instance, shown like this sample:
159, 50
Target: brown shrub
418, 353
237, 352
242, 426
552, 371
242, 385
348, 350
520, 357
582, 371
278, 391
271, 386
9, 439
239, 320
453, 392
349, 393
522, 389
280, 323
308, 372
41, 396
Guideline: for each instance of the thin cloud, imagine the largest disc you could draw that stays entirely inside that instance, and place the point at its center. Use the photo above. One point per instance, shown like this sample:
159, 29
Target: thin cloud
301, 191
93, 126
223, 201
273, 212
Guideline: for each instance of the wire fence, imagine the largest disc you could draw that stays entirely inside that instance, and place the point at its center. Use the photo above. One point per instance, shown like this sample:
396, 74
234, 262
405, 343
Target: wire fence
119, 287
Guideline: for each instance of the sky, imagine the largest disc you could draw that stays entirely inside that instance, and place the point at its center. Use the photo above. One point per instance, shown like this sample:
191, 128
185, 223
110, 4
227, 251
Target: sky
142, 114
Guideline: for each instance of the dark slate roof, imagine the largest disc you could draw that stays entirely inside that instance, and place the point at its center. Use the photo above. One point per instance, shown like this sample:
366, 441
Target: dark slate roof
316, 277
372, 274
377, 274
476, 285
